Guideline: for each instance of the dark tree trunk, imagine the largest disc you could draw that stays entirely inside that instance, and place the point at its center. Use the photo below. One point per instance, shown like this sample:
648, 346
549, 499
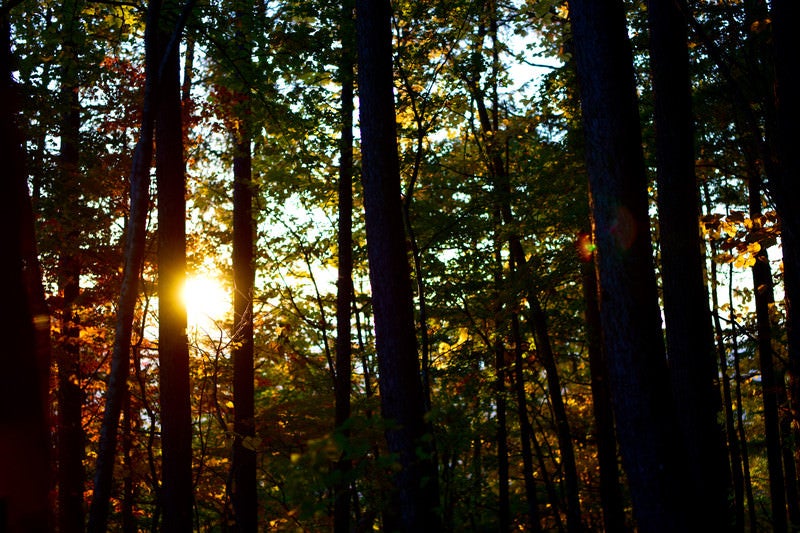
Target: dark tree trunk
135, 236
70, 450
501, 437
344, 284
244, 494
128, 484
740, 411
737, 459
25, 328
525, 430
689, 336
610, 489
770, 382
402, 402
538, 318
173, 347
630, 314
783, 184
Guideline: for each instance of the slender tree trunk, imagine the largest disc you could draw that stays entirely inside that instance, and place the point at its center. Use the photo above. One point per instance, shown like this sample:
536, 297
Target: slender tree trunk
135, 235
770, 384
549, 485
610, 489
538, 318
344, 296
690, 341
128, 484
402, 401
70, 450
173, 347
631, 318
734, 443
501, 401
740, 412
243, 465
525, 430
503, 502
25, 328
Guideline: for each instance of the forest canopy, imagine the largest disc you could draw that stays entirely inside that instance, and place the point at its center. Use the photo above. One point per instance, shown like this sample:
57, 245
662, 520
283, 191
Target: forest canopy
300, 265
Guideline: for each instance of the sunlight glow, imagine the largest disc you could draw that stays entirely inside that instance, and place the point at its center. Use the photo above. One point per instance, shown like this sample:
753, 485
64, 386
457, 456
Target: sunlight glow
206, 300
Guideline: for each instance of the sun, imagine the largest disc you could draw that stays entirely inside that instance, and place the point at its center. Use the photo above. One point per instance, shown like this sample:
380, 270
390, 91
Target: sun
206, 300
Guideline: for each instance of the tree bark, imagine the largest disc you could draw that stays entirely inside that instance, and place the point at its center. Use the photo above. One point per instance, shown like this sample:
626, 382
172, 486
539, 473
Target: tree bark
25, 326
173, 347
70, 450
783, 184
244, 494
525, 431
402, 402
344, 284
630, 314
737, 455
770, 383
135, 236
690, 341
610, 490
537, 317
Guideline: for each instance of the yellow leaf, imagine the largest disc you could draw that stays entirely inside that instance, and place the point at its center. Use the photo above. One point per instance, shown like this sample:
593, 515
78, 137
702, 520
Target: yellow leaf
251, 443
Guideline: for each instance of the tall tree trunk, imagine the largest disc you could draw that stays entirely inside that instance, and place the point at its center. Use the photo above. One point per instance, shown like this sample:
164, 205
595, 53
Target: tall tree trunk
25, 327
128, 483
740, 411
243, 466
344, 284
734, 442
501, 401
610, 489
537, 317
785, 41
770, 383
525, 430
630, 314
173, 347
501, 436
690, 341
402, 401
70, 450
135, 236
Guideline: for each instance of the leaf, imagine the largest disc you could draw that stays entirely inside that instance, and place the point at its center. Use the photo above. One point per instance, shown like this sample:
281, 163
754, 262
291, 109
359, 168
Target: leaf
251, 443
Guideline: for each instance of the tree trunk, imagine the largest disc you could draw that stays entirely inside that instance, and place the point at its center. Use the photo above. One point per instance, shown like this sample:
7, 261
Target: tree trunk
525, 430
344, 285
690, 341
244, 494
537, 318
734, 442
70, 450
770, 384
25, 327
783, 186
629, 309
402, 401
501, 436
173, 347
610, 490
135, 235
